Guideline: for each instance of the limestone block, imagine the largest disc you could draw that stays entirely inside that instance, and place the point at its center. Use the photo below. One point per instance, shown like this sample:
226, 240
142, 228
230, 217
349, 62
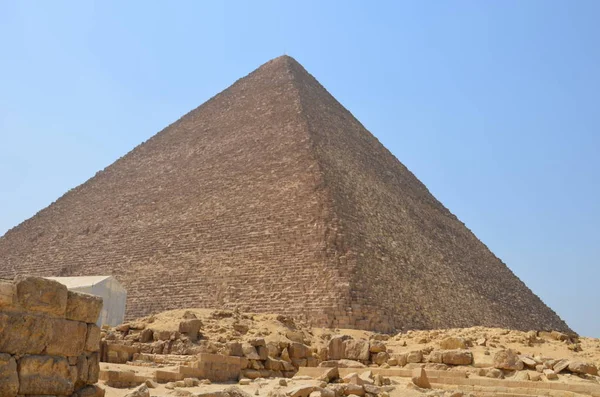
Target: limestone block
354, 389
234, 349
47, 375
452, 343
93, 362
457, 357
419, 378
356, 349
250, 351
22, 333
298, 350
83, 307
9, 378
41, 295
508, 359
68, 338
377, 346
93, 337
190, 328
300, 391
436, 356
335, 348
580, 367
7, 294
414, 357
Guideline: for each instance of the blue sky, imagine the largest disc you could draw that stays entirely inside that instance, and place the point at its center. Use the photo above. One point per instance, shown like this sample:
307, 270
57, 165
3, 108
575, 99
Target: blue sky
493, 105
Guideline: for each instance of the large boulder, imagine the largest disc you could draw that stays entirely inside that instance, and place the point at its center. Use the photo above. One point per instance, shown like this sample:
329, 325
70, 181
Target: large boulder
457, 357
579, 367
298, 350
508, 359
452, 343
335, 347
356, 349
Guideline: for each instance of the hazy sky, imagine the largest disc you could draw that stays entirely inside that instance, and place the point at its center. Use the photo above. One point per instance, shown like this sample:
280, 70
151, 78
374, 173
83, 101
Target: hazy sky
493, 105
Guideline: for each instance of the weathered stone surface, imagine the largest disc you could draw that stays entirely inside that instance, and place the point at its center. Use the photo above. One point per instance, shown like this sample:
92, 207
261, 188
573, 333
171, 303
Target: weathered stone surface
9, 378
22, 333
83, 307
380, 358
140, 391
452, 343
560, 366
68, 338
550, 374
528, 361
298, 350
300, 391
356, 349
353, 389
377, 346
580, 367
419, 378
436, 356
457, 357
508, 359
8, 294
190, 328
250, 351
414, 357
44, 375
335, 347
41, 295
92, 340
342, 364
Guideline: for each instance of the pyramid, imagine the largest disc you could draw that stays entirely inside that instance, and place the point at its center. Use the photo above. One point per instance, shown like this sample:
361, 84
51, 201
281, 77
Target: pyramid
272, 197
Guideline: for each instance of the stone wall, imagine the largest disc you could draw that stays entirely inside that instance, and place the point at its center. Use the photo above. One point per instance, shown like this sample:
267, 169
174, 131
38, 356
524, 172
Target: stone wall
49, 341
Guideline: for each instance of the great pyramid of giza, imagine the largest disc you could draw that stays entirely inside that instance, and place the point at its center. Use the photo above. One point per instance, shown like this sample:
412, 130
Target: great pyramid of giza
272, 197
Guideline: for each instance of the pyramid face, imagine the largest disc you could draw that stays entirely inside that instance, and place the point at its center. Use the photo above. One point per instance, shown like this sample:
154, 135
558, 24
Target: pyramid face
271, 197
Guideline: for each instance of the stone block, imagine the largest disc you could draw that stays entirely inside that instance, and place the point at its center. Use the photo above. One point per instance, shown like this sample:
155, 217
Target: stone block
7, 294
92, 340
93, 362
83, 307
457, 357
9, 378
38, 294
47, 375
90, 391
298, 350
22, 333
356, 349
68, 338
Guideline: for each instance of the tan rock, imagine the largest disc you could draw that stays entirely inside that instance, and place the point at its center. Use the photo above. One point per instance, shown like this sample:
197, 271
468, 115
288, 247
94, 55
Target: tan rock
453, 343
250, 351
352, 378
190, 328
436, 356
494, 373
93, 362
44, 375
377, 346
580, 367
300, 391
508, 359
419, 378
83, 307
140, 391
356, 349
68, 338
298, 350
41, 295
342, 364
457, 357
528, 361
22, 333
8, 294
354, 389
335, 347
380, 358
93, 337
9, 378
414, 357
329, 375
550, 374
367, 378
560, 366
521, 375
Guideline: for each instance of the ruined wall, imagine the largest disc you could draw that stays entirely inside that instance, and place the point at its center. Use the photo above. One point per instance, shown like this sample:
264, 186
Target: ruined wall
49, 341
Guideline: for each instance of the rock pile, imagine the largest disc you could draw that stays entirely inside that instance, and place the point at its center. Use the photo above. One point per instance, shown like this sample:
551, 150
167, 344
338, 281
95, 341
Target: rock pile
49, 341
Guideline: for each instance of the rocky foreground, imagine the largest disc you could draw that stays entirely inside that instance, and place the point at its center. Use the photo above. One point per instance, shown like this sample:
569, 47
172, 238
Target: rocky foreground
202, 352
